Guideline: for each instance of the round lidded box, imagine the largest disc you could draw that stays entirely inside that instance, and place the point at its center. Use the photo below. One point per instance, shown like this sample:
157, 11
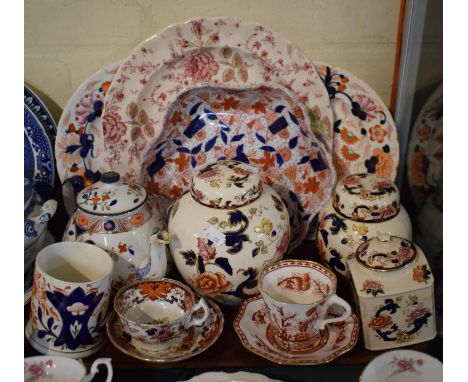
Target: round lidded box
394, 290
227, 230
363, 206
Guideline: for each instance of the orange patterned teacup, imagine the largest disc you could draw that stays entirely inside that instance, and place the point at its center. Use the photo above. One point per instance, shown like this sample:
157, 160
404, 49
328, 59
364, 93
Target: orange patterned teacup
298, 295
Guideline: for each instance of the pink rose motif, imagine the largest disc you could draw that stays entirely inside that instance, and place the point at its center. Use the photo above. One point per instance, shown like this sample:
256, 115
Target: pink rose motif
201, 66
384, 184
372, 284
113, 127
415, 314
404, 254
419, 362
404, 364
36, 370
387, 212
206, 250
366, 105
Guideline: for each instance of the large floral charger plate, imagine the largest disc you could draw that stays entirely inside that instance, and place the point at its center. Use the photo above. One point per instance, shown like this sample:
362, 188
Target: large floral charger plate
80, 143
223, 52
365, 138
264, 127
425, 149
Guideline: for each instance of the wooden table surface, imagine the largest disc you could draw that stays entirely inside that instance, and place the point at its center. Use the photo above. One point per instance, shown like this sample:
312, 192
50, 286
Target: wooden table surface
228, 351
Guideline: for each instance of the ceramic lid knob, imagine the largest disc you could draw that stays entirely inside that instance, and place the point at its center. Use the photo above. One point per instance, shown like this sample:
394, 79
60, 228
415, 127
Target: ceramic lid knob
111, 196
366, 198
386, 253
226, 184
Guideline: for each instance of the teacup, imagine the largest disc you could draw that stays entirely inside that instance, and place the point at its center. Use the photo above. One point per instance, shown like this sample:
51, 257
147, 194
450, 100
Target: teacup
70, 299
298, 295
155, 310
61, 369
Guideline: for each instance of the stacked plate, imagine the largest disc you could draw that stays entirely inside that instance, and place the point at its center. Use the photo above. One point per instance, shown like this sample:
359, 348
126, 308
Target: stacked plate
39, 172
148, 118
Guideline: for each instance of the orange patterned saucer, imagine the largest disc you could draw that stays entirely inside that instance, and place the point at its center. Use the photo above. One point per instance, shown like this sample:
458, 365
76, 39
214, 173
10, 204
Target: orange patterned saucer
190, 343
258, 335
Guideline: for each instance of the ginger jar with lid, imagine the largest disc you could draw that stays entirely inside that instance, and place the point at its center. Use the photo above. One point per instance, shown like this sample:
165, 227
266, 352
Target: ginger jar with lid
363, 206
117, 217
226, 230
394, 291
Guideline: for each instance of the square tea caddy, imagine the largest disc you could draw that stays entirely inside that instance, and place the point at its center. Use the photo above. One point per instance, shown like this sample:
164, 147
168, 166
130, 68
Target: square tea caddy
394, 290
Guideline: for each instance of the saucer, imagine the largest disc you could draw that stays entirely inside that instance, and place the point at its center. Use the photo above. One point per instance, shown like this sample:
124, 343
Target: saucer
190, 343
403, 365
252, 325
240, 376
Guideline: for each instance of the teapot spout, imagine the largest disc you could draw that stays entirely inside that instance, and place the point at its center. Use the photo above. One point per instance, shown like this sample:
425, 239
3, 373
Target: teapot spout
158, 243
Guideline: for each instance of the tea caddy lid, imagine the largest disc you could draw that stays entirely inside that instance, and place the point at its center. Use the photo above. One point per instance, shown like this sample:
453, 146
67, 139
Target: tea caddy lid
366, 198
111, 196
387, 265
226, 184
386, 253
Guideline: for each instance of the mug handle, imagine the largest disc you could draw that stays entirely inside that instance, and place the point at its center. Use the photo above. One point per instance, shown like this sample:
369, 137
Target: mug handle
201, 304
338, 301
94, 369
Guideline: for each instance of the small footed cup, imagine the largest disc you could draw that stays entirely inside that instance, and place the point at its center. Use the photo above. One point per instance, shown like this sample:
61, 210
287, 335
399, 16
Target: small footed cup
62, 369
155, 310
298, 295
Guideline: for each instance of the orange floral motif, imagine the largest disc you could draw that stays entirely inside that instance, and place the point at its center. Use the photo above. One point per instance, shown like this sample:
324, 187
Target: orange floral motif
384, 164
105, 86
267, 161
105, 197
348, 137
348, 154
176, 191
95, 199
258, 107
122, 248
182, 161
296, 282
284, 133
200, 157
200, 135
137, 219
212, 283
230, 103
176, 118
311, 185
209, 335
82, 220
154, 290
380, 322
377, 133
424, 133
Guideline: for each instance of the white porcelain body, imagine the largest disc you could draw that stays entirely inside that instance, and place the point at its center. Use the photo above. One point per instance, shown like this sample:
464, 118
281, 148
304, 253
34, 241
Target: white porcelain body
403, 366
227, 277
61, 369
70, 300
338, 237
397, 308
130, 250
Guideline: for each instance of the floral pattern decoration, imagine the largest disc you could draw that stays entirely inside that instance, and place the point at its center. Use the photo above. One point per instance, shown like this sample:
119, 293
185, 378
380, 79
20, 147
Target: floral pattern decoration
214, 52
263, 127
38, 370
415, 317
373, 287
364, 133
406, 365
421, 273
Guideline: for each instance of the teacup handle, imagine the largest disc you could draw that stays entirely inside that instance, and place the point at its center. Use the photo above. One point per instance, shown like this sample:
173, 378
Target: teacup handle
338, 301
201, 304
94, 369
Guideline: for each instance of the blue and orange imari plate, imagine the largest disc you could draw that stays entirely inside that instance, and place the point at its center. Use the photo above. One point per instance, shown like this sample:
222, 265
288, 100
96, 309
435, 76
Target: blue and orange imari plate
38, 156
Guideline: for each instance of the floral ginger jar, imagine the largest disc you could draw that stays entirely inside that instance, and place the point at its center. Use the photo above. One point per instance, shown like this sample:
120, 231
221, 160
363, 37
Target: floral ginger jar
394, 291
226, 230
117, 217
363, 206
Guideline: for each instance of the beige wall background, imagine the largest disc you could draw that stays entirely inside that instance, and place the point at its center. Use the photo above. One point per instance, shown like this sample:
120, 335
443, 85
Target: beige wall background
66, 41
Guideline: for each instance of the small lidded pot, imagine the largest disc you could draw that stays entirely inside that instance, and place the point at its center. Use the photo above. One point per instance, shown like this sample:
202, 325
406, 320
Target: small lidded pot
394, 290
227, 230
363, 206
117, 217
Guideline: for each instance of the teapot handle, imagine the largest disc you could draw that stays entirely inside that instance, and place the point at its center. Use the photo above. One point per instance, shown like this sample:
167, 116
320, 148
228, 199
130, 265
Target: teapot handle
94, 369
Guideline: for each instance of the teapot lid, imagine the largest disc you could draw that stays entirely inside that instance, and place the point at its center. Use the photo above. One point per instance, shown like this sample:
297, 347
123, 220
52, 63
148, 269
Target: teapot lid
386, 253
366, 198
226, 184
111, 196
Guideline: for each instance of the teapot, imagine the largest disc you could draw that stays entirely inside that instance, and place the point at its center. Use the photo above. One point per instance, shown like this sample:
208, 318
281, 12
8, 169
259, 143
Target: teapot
226, 230
117, 217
